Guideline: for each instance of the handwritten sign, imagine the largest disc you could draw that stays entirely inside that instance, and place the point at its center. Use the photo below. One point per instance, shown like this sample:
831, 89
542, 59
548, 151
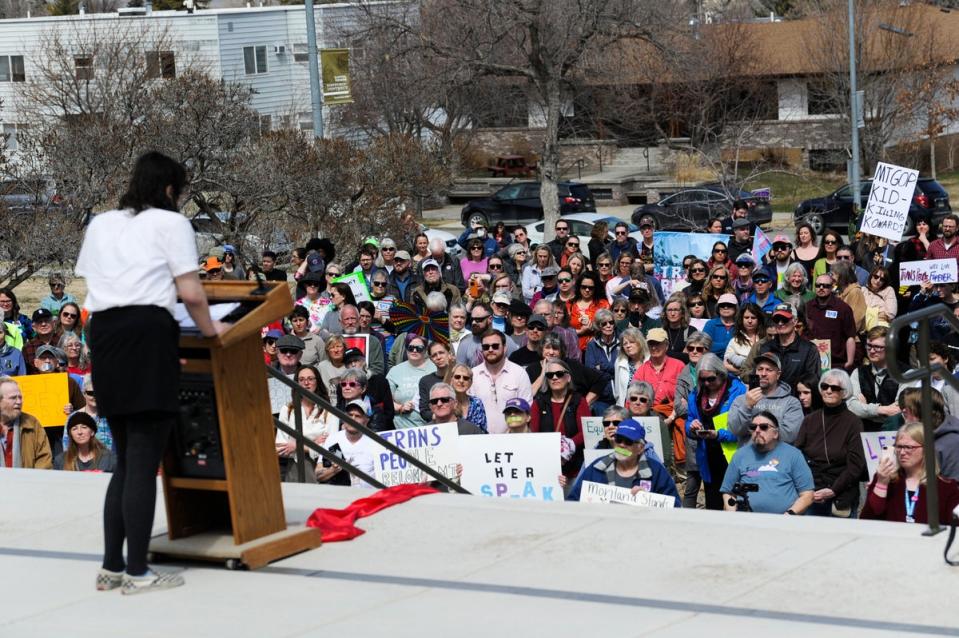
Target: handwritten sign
872, 446
44, 397
435, 445
936, 271
599, 493
357, 283
653, 434
888, 207
512, 465
590, 456
592, 431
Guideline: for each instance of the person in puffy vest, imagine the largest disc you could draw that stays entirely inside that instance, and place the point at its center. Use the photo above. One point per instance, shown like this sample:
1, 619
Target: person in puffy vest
628, 466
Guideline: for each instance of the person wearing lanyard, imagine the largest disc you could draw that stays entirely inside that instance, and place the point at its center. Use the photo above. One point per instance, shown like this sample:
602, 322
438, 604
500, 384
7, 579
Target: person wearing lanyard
136, 261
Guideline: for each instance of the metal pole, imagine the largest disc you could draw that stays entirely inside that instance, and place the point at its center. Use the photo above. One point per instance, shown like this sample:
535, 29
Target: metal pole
316, 98
853, 110
300, 452
929, 436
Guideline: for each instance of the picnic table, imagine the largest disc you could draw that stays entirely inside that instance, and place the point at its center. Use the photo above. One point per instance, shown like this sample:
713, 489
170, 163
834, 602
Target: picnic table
512, 166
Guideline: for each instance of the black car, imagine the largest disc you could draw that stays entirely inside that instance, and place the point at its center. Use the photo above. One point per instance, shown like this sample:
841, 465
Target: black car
690, 209
519, 203
835, 209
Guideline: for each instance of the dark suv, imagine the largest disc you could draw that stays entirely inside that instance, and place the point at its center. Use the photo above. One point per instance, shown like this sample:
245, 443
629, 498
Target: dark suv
835, 209
690, 209
519, 203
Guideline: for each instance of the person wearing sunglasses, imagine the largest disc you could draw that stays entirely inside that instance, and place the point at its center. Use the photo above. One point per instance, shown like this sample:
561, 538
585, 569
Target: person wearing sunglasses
514, 261
767, 393
58, 294
372, 388
289, 351
785, 482
697, 309
718, 283
722, 327
831, 243
628, 466
799, 357
829, 317
404, 381
317, 423
696, 279
69, 320
469, 349
622, 243
849, 291
830, 440
897, 492
880, 297
708, 409
582, 310
762, 294
660, 370
743, 284
474, 262
601, 354
639, 403
647, 226
633, 351
497, 380
442, 402
403, 278
558, 407
779, 258
460, 378
720, 257
684, 449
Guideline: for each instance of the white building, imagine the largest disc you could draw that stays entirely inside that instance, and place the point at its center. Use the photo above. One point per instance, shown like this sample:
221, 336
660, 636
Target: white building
264, 47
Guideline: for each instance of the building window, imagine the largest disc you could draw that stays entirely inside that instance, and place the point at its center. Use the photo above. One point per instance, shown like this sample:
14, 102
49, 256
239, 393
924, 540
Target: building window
254, 58
11, 68
10, 137
820, 99
301, 53
84, 66
161, 64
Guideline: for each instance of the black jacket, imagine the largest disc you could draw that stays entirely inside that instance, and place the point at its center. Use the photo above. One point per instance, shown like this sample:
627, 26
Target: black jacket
800, 359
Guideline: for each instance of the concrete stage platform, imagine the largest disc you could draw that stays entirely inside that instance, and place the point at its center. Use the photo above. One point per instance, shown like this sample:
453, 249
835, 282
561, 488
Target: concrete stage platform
449, 565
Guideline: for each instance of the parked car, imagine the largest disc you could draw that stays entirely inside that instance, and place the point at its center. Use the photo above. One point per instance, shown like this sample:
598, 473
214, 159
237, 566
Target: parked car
28, 195
835, 209
581, 225
453, 249
690, 209
208, 236
519, 203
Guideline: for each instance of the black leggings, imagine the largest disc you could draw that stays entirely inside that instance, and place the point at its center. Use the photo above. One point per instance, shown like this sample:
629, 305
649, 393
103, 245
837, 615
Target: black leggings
131, 497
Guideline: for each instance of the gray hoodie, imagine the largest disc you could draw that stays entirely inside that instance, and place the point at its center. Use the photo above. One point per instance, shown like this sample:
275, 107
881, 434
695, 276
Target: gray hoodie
947, 448
781, 403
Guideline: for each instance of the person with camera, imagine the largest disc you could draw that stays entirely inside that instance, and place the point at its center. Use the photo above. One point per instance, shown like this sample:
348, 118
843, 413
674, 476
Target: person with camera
782, 479
830, 440
707, 422
767, 394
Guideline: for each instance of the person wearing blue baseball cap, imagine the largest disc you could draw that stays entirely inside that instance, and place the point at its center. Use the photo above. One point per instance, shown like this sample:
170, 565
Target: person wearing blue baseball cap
628, 466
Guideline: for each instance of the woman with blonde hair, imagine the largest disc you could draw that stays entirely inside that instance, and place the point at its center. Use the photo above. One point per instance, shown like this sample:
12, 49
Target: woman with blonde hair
468, 407
531, 277
633, 351
718, 283
898, 490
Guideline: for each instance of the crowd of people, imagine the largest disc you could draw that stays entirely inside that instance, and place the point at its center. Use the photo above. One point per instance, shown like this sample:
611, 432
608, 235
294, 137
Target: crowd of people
731, 363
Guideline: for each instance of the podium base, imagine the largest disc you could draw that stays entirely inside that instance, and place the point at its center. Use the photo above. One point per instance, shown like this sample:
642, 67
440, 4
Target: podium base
219, 547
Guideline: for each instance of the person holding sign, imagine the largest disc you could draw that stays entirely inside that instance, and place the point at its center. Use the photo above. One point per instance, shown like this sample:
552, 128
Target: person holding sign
628, 466
947, 246
898, 490
708, 409
559, 408
23, 442
830, 318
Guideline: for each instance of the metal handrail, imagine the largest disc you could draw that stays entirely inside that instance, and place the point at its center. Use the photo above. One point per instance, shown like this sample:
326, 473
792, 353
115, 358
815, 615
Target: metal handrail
301, 440
923, 374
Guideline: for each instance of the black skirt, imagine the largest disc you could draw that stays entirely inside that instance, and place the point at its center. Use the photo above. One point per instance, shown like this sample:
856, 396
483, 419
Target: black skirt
135, 360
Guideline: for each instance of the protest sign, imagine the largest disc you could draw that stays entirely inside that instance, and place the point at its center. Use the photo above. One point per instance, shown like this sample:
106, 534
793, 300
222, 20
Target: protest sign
765, 192
888, 207
761, 245
653, 433
589, 456
872, 446
599, 493
936, 271
512, 465
357, 283
670, 248
361, 342
824, 348
592, 431
44, 397
435, 445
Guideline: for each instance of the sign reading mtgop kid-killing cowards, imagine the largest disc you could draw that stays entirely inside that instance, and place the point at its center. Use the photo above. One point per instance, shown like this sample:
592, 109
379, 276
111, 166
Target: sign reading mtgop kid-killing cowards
512, 465
600, 493
935, 271
434, 445
888, 207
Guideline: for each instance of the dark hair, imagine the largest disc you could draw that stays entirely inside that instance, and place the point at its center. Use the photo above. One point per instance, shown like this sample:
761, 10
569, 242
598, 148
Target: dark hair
300, 311
367, 306
740, 204
345, 290
152, 173
739, 334
321, 389
269, 253
494, 333
812, 383
300, 253
767, 415
579, 286
15, 311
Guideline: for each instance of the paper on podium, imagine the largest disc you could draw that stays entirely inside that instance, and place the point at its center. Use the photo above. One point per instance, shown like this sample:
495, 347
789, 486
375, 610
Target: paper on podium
217, 312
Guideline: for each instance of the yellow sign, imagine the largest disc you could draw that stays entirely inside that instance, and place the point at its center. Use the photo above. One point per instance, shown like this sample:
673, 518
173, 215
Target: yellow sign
44, 397
721, 422
335, 68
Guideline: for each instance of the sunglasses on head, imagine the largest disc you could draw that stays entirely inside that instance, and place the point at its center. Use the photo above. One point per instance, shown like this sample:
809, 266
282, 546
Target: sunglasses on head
761, 426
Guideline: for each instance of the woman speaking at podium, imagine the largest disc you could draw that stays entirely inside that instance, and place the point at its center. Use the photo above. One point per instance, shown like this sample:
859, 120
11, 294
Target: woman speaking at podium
136, 260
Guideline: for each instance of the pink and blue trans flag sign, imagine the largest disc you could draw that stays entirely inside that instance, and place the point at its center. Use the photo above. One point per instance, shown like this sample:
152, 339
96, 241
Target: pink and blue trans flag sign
761, 245
669, 249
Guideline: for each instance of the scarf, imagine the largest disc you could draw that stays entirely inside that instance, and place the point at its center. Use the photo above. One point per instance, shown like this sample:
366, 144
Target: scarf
702, 402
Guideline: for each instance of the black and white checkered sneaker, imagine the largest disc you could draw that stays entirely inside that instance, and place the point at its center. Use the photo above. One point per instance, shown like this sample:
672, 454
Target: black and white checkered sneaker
107, 580
150, 581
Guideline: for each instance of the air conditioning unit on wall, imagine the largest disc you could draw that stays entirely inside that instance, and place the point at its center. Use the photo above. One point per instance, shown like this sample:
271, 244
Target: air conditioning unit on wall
279, 49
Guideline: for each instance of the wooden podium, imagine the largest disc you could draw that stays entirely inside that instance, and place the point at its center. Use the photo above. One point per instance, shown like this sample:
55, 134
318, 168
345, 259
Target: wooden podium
237, 518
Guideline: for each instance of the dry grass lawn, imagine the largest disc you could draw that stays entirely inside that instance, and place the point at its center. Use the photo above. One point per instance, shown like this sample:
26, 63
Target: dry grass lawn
30, 292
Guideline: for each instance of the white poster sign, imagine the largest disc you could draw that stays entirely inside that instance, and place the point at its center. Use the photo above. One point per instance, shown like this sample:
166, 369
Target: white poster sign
888, 207
873, 444
512, 465
592, 431
435, 445
937, 271
357, 283
599, 493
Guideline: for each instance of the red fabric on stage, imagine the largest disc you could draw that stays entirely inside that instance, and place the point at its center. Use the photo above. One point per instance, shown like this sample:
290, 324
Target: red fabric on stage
337, 525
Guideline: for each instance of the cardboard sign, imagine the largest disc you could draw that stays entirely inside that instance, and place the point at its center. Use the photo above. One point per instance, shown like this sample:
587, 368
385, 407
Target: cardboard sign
512, 465
357, 283
435, 445
888, 207
872, 446
936, 271
599, 493
44, 397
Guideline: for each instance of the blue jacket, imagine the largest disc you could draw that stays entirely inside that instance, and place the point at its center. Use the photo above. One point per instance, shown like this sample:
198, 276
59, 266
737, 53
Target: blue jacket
11, 361
596, 358
662, 482
720, 335
771, 302
490, 245
736, 387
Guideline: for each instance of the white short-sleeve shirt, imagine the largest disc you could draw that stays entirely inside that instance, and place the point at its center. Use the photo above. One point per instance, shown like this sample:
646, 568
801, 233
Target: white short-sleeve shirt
132, 260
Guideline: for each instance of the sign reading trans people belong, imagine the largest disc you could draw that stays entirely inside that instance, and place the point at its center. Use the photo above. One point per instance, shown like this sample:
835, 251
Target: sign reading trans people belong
512, 465
669, 250
434, 445
888, 207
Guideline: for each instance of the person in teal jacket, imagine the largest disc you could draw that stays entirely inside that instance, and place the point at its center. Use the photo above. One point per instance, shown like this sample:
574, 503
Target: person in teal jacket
709, 405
